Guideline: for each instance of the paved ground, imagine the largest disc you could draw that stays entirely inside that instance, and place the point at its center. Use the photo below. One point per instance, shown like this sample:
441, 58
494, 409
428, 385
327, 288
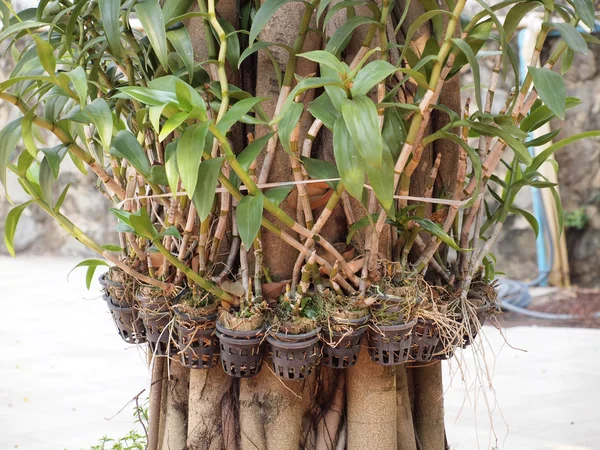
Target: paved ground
64, 372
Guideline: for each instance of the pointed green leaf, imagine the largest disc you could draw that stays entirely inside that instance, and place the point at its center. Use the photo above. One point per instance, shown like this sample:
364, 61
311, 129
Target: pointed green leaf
10, 226
542, 115
327, 59
572, 37
204, 195
61, 198
236, 112
109, 13
349, 162
340, 38
382, 180
100, 115
546, 153
91, 265
126, 146
516, 14
10, 136
248, 215
182, 43
370, 75
318, 169
172, 124
437, 231
150, 15
288, 123
79, 80
189, 154
142, 224
45, 53
474, 65
278, 194
171, 231
322, 108
551, 88
362, 122
264, 13
585, 10
171, 170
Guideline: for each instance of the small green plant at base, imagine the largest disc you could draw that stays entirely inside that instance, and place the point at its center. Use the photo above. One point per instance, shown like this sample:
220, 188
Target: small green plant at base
577, 219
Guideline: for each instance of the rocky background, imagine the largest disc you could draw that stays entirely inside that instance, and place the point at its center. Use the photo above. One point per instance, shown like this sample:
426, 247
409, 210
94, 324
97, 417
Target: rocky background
579, 178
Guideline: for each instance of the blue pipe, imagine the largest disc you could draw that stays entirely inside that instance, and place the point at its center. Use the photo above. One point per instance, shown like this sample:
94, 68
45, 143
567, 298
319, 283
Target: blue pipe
543, 262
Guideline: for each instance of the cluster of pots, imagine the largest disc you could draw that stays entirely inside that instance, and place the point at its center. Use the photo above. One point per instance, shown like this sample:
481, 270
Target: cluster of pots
200, 342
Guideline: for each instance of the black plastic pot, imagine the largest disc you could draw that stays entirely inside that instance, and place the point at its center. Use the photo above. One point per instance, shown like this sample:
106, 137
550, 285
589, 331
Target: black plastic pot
156, 315
294, 356
341, 349
241, 351
425, 338
389, 345
125, 316
197, 340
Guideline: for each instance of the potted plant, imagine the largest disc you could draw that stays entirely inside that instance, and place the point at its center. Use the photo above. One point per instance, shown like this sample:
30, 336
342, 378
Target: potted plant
118, 293
156, 313
293, 333
195, 313
396, 298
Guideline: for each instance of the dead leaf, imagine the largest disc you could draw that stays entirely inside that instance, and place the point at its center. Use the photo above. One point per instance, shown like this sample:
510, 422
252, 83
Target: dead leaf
275, 289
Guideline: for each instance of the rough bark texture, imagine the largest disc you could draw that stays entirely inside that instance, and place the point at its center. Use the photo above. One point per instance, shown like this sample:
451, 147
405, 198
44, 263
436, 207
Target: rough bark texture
429, 406
175, 432
208, 391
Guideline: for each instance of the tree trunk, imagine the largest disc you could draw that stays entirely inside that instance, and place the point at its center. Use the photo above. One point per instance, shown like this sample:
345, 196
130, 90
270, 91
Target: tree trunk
364, 407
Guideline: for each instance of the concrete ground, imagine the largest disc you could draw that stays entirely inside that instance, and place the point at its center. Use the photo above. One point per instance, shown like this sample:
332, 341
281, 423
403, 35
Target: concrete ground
65, 374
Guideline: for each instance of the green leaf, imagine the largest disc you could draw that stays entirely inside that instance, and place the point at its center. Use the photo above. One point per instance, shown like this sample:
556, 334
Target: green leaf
248, 215
189, 154
262, 45
204, 195
45, 53
91, 265
474, 64
326, 58
171, 231
250, 153
305, 85
236, 112
79, 80
542, 115
54, 157
382, 180
171, 170
150, 15
585, 10
318, 169
27, 133
46, 180
61, 198
175, 8
100, 115
148, 96
264, 13
567, 61
9, 138
364, 222
546, 153
572, 37
394, 132
437, 231
542, 140
288, 123
18, 27
182, 43
530, 218
126, 146
349, 163
172, 124
516, 14
362, 122
10, 226
109, 12
370, 75
340, 38
551, 88
142, 224
321, 108
278, 194
158, 175
123, 216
